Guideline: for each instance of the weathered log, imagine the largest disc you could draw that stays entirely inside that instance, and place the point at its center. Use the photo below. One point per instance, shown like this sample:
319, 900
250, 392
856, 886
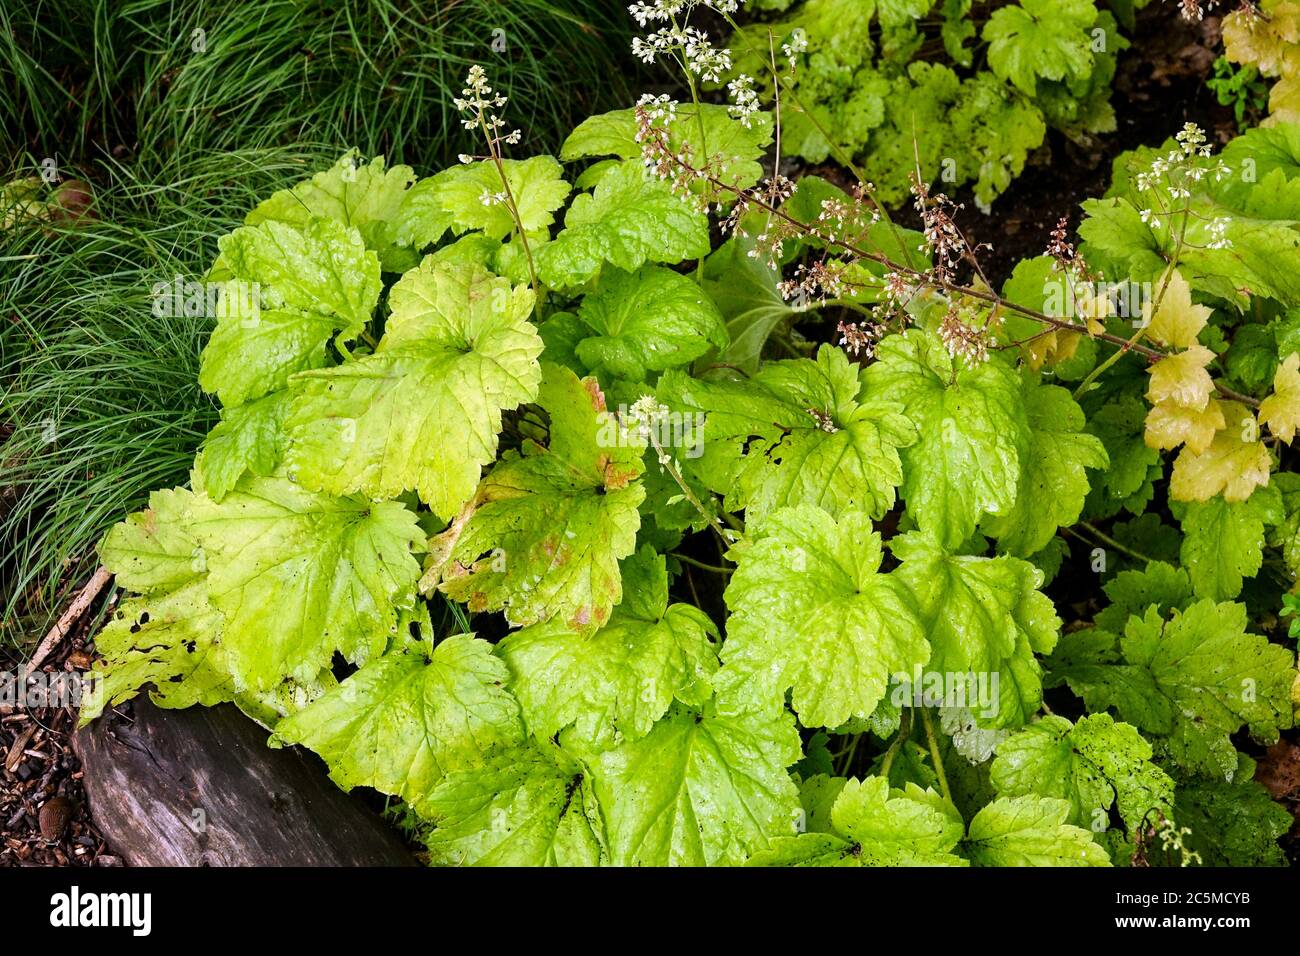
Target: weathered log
200, 787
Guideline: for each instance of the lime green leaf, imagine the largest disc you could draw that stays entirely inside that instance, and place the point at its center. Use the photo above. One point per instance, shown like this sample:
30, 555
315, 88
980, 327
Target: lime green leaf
647, 321
253, 352
1053, 479
404, 720
810, 612
322, 268
1224, 540
299, 576
872, 825
248, 439
550, 525
735, 150
1030, 831
974, 433
1132, 592
699, 790
1092, 764
529, 807
629, 220
616, 683
471, 195
171, 641
797, 433
363, 195
169, 638
153, 551
1046, 39
982, 616
423, 411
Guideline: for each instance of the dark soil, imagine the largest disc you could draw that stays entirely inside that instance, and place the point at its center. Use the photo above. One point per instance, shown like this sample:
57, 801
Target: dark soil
44, 818
1159, 85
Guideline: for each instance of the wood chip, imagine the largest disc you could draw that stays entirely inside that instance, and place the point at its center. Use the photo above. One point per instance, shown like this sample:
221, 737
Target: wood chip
15, 756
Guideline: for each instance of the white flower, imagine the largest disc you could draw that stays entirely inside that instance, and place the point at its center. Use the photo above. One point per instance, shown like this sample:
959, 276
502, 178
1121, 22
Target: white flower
744, 99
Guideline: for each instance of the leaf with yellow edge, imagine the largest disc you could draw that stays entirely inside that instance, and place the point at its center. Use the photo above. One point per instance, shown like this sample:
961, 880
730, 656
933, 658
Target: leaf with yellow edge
1169, 425
1231, 465
1281, 410
1182, 378
1177, 321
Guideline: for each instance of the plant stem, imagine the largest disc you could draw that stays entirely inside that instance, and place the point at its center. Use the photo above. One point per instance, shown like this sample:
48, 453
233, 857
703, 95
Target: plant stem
700, 564
1108, 541
904, 731
934, 754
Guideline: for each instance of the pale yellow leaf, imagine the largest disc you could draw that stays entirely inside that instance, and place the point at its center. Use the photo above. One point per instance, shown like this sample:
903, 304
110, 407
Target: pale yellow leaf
1281, 410
1262, 41
1178, 321
1284, 98
1182, 379
1169, 425
1235, 464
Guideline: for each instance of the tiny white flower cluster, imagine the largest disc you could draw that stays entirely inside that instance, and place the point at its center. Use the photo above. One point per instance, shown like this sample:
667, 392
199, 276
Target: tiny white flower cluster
797, 44
744, 99
702, 58
479, 104
1177, 171
1218, 229
662, 11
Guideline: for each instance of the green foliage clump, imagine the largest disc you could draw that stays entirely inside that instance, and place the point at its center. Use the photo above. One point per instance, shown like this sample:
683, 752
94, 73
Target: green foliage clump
966, 93
585, 589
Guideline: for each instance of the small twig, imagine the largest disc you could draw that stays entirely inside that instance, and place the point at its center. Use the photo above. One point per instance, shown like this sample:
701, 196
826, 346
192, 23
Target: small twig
71, 616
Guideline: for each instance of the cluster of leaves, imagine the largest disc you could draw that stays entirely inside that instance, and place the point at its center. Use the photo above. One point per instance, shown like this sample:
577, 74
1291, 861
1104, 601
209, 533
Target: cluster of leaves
486, 399
1265, 38
966, 94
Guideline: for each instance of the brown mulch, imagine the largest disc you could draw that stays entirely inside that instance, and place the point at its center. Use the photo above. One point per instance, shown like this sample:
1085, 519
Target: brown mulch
44, 818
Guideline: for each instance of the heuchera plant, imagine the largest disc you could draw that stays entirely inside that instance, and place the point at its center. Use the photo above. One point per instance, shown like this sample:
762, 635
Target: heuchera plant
739, 599
964, 91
